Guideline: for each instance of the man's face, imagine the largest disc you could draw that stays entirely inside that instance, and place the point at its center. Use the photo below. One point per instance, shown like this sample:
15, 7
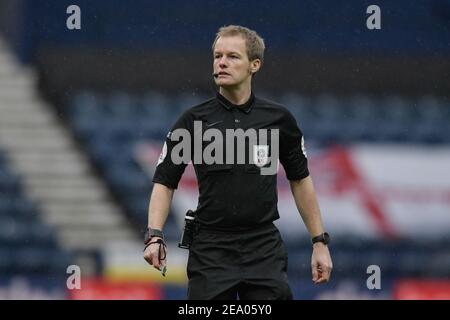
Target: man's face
231, 62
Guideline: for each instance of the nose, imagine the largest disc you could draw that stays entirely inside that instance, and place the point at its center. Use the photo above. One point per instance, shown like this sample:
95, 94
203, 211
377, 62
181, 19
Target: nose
222, 63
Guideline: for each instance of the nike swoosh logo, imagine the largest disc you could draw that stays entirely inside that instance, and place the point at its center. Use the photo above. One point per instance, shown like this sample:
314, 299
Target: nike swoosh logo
214, 123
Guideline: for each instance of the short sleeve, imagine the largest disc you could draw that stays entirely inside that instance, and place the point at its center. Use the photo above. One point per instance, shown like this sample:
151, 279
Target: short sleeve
167, 172
293, 155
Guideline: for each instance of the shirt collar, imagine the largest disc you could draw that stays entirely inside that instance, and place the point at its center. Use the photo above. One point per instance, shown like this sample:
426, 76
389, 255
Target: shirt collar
246, 107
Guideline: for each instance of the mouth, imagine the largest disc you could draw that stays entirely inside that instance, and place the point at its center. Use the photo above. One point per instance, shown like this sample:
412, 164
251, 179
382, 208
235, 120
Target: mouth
223, 73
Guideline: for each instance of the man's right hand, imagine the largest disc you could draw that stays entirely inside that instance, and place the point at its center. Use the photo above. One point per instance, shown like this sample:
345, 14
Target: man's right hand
154, 252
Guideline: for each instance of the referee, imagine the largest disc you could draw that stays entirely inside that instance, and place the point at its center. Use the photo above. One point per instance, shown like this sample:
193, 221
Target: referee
237, 252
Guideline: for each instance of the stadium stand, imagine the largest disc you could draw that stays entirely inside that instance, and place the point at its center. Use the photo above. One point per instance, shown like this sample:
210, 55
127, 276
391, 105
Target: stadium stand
28, 245
54, 173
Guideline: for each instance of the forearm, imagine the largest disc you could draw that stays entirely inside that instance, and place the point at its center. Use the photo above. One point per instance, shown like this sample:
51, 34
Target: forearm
307, 204
159, 206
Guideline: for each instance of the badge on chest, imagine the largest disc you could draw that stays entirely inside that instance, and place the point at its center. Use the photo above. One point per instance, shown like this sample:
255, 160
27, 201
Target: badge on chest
260, 155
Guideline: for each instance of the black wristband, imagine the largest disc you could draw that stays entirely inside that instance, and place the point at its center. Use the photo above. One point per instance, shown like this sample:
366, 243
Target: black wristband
150, 233
324, 237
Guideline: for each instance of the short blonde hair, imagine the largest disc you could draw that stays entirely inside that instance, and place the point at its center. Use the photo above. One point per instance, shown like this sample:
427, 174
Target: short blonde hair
254, 43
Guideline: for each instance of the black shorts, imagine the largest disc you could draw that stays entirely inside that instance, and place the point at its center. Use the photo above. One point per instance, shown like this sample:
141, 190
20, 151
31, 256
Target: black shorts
251, 265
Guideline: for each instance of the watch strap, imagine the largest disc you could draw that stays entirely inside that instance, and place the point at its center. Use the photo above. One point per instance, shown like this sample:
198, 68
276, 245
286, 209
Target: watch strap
151, 233
324, 237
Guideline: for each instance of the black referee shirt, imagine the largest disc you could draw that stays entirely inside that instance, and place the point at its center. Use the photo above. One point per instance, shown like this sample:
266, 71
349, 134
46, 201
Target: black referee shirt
236, 195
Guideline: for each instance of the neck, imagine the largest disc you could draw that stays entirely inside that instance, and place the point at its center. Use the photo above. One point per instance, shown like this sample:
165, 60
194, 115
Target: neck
238, 95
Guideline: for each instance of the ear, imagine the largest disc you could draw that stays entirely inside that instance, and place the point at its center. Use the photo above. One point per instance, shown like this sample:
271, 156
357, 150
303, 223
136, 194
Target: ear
255, 65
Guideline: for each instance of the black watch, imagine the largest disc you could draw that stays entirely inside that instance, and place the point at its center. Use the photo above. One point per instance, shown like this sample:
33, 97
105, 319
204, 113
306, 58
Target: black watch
150, 233
324, 237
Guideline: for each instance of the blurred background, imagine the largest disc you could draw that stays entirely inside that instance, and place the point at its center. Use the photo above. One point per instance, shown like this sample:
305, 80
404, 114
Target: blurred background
84, 113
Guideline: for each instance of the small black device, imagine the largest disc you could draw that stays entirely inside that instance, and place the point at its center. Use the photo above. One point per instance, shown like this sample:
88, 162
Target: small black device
324, 237
188, 231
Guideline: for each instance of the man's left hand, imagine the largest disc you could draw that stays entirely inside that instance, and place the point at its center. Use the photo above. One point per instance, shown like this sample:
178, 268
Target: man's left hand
321, 263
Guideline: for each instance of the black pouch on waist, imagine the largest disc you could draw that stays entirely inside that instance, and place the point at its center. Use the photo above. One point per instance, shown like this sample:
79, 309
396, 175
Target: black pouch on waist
188, 231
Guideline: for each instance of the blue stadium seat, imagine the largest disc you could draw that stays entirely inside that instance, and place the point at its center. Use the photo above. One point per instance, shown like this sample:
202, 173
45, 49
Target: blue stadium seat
25, 241
6, 261
9, 184
31, 259
119, 105
13, 231
85, 103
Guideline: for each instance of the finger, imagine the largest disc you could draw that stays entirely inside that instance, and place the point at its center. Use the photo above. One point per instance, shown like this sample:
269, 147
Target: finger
148, 258
155, 260
318, 278
324, 279
327, 270
321, 281
315, 273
